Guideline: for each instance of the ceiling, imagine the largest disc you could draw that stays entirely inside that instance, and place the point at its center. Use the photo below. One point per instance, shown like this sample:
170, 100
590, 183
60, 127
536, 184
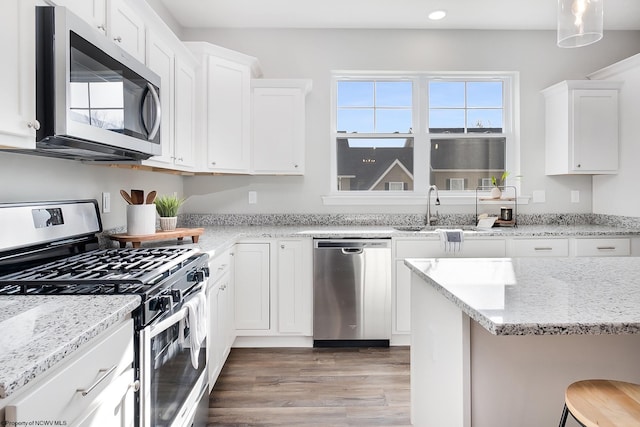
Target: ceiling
397, 14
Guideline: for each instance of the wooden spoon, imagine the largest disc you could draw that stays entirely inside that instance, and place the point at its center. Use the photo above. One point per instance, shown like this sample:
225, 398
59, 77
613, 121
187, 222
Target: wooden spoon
150, 197
126, 197
137, 197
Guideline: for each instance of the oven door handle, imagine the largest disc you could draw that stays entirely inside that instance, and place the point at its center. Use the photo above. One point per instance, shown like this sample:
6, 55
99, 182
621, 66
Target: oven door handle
164, 324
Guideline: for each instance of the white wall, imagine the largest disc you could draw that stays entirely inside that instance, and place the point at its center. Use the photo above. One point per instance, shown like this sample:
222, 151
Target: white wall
618, 194
34, 178
314, 53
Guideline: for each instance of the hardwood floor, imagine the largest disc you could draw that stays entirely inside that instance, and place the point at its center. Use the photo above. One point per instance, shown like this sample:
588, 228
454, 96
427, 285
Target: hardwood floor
313, 387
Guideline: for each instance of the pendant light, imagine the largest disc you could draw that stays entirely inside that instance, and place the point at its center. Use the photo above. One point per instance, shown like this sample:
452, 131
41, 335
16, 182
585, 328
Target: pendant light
579, 22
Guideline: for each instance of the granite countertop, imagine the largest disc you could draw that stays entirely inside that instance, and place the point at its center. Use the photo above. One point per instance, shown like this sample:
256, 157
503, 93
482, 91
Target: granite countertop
40, 331
540, 296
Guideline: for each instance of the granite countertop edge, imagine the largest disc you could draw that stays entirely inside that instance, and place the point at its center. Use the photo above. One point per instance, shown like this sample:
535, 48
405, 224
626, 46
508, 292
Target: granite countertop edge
20, 366
526, 328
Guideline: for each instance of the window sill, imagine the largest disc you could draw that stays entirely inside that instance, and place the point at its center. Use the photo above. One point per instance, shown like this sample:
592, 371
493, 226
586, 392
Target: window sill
448, 199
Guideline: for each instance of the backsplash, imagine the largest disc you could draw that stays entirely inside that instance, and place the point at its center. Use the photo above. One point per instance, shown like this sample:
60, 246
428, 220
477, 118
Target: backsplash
199, 220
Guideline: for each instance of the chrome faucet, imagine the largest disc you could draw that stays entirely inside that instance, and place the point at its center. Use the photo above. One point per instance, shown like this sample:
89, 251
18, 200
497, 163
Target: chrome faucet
431, 220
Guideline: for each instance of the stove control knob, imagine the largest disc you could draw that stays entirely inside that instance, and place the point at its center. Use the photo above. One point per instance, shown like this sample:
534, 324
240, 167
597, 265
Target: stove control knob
199, 275
162, 303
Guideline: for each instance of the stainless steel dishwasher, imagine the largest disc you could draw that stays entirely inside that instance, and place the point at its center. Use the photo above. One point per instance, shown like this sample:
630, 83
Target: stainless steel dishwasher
351, 292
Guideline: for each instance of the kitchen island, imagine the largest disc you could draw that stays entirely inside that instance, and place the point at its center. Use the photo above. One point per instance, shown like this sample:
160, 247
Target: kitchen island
495, 342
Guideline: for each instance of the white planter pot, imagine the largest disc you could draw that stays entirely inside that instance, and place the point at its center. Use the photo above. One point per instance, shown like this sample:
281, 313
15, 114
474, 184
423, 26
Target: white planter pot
168, 223
496, 193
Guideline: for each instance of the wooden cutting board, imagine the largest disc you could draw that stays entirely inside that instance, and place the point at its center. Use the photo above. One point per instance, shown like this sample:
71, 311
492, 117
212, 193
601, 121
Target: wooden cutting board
178, 233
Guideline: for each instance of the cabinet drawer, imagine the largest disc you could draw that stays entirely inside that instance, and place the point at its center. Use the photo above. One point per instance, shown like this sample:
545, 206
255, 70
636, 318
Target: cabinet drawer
60, 396
539, 247
603, 247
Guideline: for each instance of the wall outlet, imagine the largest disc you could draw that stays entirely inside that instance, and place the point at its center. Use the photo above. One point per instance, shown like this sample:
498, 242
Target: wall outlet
539, 196
253, 197
575, 196
106, 202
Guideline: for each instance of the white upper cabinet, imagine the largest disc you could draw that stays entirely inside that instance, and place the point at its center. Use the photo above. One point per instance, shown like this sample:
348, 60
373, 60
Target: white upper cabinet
161, 60
18, 74
228, 115
92, 11
126, 27
581, 127
278, 126
224, 108
185, 109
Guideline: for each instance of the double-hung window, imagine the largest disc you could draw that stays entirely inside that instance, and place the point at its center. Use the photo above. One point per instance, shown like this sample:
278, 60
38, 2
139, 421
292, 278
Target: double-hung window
398, 134
374, 134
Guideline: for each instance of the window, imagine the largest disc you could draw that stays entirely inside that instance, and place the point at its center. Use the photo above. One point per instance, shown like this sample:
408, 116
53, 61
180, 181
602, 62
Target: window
400, 134
374, 144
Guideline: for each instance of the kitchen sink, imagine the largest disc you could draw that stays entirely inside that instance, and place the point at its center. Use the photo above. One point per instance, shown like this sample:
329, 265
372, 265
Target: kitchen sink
433, 228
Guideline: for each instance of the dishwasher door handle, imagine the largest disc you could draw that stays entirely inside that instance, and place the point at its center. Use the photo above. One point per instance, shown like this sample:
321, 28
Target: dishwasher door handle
352, 251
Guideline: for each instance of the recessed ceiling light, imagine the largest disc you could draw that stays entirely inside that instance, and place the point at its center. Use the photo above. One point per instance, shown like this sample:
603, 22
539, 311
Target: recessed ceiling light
437, 15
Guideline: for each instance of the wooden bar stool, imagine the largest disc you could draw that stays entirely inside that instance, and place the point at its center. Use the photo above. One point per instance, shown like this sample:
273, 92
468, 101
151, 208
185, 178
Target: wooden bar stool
602, 403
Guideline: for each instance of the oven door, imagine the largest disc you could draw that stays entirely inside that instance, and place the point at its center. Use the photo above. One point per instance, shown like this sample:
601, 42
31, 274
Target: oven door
171, 386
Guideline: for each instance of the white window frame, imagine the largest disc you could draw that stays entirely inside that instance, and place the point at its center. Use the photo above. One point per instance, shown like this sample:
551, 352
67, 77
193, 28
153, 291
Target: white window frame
422, 138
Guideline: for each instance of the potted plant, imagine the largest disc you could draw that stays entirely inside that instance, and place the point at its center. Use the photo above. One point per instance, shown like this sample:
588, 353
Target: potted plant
167, 208
496, 193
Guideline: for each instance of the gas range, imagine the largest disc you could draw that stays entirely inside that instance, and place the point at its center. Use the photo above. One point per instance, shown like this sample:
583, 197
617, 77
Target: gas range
51, 248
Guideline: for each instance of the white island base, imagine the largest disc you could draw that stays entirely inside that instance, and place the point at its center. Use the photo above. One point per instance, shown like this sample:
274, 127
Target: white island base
462, 375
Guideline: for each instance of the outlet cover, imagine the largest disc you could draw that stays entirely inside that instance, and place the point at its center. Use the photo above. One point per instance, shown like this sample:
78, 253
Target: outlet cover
106, 202
539, 196
253, 197
575, 196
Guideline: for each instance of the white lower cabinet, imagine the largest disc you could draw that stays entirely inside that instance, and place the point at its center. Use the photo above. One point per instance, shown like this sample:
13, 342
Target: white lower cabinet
425, 248
252, 287
221, 332
273, 292
538, 247
602, 247
294, 282
94, 388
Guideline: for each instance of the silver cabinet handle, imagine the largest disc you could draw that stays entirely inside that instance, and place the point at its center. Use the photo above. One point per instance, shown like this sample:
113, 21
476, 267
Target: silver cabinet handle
135, 385
156, 123
281, 246
213, 163
34, 124
117, 39
606, 248
107, 372
101, 27
542, 249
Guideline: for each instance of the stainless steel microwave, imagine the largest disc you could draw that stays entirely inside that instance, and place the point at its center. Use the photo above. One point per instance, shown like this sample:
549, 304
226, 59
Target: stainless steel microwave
94, 101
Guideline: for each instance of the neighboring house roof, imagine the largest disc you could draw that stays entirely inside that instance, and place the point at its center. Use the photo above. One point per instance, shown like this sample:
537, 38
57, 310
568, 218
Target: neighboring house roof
369, 165
393, 165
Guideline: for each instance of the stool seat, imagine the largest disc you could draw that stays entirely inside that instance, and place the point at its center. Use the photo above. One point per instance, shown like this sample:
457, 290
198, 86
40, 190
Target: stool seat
603, 403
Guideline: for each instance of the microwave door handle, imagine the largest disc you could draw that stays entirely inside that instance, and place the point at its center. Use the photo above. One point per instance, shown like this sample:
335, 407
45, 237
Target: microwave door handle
156, 101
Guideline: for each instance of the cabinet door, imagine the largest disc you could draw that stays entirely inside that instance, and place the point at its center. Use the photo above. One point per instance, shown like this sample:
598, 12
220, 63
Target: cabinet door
595, 130
228, 115
92, 11
185, 109
294, 287
18, 74
127, 29
252, 286
278, 131
161, 60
